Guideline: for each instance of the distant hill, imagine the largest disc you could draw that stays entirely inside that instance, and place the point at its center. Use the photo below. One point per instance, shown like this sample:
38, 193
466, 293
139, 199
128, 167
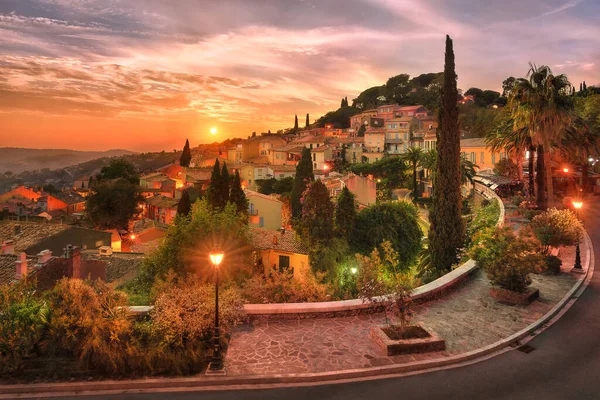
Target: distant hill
18, 159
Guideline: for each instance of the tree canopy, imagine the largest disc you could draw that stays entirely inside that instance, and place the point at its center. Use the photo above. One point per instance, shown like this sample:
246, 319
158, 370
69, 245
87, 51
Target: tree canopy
186, 155
112, 204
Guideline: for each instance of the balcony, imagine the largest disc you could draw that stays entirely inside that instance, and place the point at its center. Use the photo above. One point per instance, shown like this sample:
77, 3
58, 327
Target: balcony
394, 140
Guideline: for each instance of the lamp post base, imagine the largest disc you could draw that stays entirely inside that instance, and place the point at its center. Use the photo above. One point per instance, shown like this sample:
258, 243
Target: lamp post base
578, 270
212, 371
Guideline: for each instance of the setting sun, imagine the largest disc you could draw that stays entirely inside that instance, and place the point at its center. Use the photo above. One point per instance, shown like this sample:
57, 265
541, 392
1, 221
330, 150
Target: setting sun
213, 131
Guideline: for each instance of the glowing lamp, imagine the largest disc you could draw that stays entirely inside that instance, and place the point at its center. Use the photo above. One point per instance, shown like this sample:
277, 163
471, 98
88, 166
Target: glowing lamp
565, 170
577, 204
132, 236
216, 256
325, 167
354, 270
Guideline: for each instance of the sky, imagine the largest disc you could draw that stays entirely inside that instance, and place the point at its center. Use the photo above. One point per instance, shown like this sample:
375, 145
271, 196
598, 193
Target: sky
144, 75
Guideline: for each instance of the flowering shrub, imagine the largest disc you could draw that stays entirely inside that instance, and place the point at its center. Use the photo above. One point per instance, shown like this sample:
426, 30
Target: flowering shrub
557, 228
282, 287
508, 259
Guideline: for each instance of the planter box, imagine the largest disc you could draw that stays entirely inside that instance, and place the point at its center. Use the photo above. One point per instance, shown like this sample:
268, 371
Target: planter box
426, 342
514, 298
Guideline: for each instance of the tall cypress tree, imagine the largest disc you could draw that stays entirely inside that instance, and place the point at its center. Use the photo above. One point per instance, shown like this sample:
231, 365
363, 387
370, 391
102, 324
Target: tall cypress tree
342, 103
185, 205
307, 121
345, 214
304, 174
224, 185
237, 196
186, 155
580, 86
346, 101
584, 86
214, 189
296, 121
446, 231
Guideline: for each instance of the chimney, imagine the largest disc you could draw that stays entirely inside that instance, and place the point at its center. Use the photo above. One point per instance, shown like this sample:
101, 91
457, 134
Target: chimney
43, 257
8, 247
275, 240
76, 257
17, 229
21, 266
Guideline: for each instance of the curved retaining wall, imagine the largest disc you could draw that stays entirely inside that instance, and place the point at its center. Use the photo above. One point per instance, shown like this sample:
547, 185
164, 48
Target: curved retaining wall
429, 291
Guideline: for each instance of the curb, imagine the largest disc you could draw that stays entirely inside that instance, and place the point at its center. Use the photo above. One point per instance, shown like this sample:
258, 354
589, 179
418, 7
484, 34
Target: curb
248, 382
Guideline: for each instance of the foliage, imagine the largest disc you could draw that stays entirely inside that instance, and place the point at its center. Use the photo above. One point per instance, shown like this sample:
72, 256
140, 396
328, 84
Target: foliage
394, 222
283, 287
22, 323
304, 175
237, 195
119, 168
361, 131
446, 230
317, 214
391, 170
184, 207
508, 259
477, 121
486, 217
413, 156
214, 192
112, 204
224, 184
326, 257
339, 118
186, 155
506, 167
345, 214
553, 264
307, 124
557, 228
296, 122
272, 185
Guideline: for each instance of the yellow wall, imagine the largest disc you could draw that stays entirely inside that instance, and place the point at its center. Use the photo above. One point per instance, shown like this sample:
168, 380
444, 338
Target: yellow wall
268, 209
483, 156
298, 262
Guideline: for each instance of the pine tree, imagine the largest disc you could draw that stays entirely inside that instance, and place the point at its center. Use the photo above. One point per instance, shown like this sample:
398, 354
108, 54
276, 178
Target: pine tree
304, 174
307, 121
214, 189
317, 214
345, 214
224, 192
237, 196
446, 231
186, 155
296, 122
185, 205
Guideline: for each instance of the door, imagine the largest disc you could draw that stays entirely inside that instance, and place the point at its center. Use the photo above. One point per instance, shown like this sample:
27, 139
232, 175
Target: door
284, 263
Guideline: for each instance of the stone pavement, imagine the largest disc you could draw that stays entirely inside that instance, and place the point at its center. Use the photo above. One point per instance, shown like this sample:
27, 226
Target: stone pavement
467, 319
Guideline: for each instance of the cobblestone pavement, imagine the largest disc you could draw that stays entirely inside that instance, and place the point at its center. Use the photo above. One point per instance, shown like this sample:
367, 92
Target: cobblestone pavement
467, 319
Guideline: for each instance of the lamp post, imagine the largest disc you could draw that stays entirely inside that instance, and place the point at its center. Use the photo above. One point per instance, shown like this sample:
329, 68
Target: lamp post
577, 267
216, 364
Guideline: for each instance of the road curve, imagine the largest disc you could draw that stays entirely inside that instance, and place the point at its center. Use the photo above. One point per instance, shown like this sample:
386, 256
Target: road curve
564, 365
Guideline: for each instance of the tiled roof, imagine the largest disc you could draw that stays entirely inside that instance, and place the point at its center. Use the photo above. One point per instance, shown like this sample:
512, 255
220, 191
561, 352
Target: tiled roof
198, 174
473, 142
8, 267
162, 201
70, 197
321, 149
264, 239
410, 108
310, 139
117, 264
259, 160
250, 193
283, 168
288, 148
31, 233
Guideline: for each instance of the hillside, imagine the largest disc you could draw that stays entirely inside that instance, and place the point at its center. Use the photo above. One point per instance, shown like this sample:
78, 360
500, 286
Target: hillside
17, 159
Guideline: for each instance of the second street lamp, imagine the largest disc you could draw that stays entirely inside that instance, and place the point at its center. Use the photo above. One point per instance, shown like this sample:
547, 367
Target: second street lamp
577, 267
216, 364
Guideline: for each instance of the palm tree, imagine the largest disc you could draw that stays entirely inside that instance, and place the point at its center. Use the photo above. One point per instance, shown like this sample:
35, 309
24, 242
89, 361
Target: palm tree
580, 142
468, 169
541, 104
413, 156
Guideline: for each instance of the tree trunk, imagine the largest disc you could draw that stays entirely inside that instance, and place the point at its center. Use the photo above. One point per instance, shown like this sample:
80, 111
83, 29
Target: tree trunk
585, 171
531, 167
519, 162
415, 193
539, 178
549, 182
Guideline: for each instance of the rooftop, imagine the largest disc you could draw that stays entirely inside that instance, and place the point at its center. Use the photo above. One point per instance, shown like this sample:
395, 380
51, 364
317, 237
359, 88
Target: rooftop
264, 239
117, 264
251, 193
30, 233
162, 201
8, 267
70, 197
473, 142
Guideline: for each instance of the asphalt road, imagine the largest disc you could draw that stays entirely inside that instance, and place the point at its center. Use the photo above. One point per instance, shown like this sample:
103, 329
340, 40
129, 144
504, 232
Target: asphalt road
564, 365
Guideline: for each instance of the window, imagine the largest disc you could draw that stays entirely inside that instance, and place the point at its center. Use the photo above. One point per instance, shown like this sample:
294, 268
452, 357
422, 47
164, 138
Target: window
314, 156
314, 165
473, 157
261, 221
284, 263
281, 176
260, 172
482, 158
493, 158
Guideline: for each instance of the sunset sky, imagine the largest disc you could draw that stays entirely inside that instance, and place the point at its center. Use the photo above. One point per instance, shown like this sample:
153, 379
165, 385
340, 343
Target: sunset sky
146, 74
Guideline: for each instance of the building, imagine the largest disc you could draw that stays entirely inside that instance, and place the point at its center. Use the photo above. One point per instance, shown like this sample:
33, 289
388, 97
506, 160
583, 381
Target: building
160, 208
250, 173
82, 182
159, 182
281, 171
235, 153
75, 203
288, 154
411, 111
20, 192
374, 149
263, 211
311, 141
356, 121
259, 146
364, 189
281, 251
476, 151
320, 156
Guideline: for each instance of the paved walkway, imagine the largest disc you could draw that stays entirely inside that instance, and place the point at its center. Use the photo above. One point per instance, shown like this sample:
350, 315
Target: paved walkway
468, 319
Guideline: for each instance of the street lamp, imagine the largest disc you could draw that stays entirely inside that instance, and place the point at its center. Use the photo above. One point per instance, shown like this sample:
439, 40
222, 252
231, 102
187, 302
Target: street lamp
565, 170
577, 267
216, 364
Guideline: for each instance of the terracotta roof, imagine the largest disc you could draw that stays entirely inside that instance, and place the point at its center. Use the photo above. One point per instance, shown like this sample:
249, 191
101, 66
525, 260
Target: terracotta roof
162, 201
264, 239
199, 174
156, 177
117, 264
311, 139
321, 149
410, 108
288, 148
8, 267
259, 160
401, 119
31, 233
70, 197
473, 142
250, 193
283, 168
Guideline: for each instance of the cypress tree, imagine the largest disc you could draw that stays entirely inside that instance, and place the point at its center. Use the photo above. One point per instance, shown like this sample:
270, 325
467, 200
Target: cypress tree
346, 101
584, 86
224, 192
446, 231
345, 214
304, 174
186, 155
295, 121
342, 103
307, 121
580, 86
185, 205
317, 214
214, 189
237, 196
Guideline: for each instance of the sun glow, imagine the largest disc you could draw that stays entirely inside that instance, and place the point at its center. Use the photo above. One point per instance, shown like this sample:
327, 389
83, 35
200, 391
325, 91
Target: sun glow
213, 131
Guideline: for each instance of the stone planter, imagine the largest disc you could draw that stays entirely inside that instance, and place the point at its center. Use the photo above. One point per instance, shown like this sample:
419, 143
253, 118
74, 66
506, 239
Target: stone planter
514, 298
425, 340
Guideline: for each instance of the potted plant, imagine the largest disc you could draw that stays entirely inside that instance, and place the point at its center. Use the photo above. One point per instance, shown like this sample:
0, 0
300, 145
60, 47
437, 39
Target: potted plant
508, 260
393, 291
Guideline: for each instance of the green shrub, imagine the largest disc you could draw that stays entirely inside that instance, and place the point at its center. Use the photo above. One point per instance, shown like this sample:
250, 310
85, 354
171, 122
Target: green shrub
486, 217
22, 324
557, 228
553, 264
508, 259
282, 287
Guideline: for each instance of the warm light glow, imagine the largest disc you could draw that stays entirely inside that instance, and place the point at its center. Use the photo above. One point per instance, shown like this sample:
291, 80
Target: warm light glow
378, 180
565, 170
577, 204
132, 236
216, 256
325, 167
354, 270
213, 131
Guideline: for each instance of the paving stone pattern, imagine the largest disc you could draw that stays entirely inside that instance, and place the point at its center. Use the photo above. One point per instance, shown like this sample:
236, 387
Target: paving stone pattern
467, 319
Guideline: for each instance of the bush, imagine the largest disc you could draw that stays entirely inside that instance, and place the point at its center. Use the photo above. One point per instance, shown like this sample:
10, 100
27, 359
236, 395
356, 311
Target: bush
22, 324
282, 287
508, 259
553, 264
557, 228
486, 217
